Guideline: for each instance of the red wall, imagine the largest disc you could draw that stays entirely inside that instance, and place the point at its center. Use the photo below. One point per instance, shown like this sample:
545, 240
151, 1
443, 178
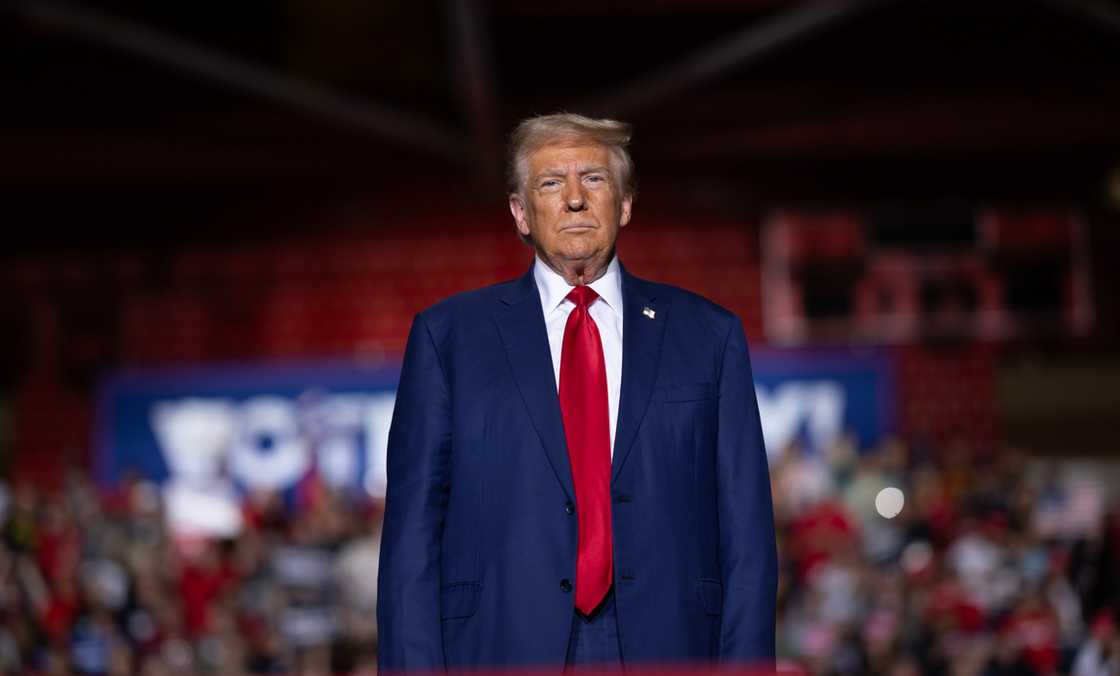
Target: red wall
355, 294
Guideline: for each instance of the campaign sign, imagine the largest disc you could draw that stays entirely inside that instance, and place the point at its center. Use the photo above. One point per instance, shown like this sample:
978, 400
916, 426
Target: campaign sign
210, 435
812, 396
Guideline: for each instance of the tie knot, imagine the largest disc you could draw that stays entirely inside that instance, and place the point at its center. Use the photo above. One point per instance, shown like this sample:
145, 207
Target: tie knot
582, 296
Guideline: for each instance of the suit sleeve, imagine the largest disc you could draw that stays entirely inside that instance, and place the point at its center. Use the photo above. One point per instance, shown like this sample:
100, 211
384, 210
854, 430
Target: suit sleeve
747, 546
408, 614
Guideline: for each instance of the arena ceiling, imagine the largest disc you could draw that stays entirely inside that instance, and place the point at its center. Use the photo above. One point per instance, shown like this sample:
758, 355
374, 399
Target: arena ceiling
133, 110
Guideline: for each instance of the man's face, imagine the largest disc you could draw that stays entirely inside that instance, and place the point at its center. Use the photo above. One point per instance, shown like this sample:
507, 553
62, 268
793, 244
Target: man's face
573, 205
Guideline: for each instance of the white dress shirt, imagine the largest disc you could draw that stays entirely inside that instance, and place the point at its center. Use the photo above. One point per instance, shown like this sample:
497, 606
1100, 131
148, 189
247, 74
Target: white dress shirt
607, 313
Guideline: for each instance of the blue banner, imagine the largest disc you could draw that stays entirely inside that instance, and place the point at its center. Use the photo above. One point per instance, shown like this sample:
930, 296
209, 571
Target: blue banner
210, 435
811, 396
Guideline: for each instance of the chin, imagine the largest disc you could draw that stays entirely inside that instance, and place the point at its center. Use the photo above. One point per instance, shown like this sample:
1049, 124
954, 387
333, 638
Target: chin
580, 252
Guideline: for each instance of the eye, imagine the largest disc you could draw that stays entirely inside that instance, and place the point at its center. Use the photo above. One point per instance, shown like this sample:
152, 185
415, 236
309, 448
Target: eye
595, 180
548, 185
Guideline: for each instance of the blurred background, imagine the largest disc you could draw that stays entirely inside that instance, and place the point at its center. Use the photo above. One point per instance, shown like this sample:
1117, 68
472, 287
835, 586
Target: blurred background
219, 220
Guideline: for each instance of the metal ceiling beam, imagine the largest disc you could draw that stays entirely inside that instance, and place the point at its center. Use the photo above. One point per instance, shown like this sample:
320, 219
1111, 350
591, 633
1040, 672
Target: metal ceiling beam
630, 7
749, 45
959, 125
474, 78
550, 8
210, 64
1100, 12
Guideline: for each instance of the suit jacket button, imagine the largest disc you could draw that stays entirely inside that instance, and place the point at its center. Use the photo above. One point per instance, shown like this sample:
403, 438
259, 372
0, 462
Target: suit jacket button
565, 585
569, 508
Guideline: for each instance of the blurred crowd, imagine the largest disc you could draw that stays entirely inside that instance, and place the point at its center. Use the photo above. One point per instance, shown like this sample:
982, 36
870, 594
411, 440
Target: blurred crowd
992, 568
95, 583
989, 569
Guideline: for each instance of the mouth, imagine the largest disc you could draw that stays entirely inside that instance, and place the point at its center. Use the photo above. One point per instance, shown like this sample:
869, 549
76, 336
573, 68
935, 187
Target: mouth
577, 227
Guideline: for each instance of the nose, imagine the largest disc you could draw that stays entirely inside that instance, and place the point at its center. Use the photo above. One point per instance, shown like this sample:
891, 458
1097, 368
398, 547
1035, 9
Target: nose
574, 199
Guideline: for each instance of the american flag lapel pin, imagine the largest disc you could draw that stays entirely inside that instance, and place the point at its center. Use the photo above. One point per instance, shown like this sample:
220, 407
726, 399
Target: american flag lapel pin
648, 312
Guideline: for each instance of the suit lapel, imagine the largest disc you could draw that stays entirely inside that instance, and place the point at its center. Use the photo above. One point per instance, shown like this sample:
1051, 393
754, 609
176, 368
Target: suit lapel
521, 324
642, 330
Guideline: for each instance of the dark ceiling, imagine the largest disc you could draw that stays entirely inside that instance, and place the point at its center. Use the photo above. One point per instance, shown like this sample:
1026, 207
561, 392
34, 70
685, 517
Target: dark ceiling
123, 113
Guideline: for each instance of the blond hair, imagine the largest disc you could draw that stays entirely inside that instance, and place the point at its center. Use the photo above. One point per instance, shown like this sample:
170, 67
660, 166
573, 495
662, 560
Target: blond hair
536, 132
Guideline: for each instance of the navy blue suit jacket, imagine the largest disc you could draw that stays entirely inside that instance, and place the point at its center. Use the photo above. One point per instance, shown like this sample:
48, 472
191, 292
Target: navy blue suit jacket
480, 534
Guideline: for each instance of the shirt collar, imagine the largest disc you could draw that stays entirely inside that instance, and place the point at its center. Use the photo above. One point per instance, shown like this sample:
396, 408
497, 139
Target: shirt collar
554, 289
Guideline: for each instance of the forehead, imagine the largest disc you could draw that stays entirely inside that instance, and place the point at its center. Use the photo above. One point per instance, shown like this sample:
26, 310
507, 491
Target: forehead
568, 154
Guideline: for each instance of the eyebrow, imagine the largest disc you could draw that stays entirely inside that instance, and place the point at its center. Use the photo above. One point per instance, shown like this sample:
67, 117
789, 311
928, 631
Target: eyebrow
554, 171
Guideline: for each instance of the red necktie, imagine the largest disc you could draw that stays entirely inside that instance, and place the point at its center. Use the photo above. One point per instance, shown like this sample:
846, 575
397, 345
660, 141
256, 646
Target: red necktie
583, 405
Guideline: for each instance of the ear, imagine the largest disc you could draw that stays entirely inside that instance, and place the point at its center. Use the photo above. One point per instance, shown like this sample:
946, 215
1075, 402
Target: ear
520, 217
624, 211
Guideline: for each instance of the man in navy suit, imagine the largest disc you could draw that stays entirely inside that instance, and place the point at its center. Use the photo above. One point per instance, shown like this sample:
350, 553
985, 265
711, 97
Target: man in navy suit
576, 466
